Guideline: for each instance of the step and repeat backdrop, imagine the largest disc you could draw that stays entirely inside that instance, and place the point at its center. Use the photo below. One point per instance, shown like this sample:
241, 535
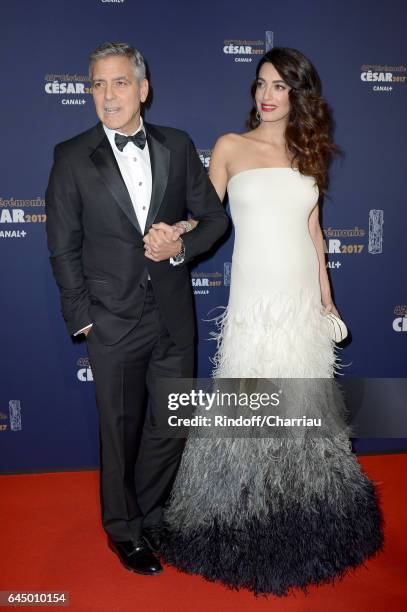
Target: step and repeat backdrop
202, 58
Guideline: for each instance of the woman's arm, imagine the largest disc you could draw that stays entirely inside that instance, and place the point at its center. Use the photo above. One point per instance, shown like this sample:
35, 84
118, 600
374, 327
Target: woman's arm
318, 239
161, 233
218, 172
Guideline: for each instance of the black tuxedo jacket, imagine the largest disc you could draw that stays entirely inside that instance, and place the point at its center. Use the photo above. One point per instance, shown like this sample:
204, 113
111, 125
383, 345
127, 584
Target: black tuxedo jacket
95, 241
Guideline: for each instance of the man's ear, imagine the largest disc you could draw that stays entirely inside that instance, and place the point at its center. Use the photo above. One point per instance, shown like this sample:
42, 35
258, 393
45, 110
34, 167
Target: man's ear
144, 87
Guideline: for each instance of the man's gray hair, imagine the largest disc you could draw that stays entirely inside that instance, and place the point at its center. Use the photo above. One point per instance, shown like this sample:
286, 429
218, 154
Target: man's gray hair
110, 49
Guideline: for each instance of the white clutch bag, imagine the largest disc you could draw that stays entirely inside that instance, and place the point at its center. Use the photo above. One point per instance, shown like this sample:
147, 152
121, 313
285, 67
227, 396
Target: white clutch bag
339, 331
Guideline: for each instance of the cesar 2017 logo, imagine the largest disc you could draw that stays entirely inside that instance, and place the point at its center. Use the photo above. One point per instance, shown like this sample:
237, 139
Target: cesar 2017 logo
68, 85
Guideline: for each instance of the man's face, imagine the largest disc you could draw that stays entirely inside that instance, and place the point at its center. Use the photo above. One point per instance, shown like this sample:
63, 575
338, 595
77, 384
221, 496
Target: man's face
117, 93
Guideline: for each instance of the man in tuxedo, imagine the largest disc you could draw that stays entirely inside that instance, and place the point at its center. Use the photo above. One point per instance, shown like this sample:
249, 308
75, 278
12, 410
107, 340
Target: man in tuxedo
126, 286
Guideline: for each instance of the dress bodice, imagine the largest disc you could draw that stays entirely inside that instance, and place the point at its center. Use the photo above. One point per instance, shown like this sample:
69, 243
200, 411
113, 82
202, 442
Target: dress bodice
273, 250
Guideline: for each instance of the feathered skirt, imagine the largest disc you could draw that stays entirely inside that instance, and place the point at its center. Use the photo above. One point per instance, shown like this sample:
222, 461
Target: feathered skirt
271, 513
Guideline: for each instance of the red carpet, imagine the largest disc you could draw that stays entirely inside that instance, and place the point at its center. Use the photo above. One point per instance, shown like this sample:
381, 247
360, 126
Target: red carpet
51, 539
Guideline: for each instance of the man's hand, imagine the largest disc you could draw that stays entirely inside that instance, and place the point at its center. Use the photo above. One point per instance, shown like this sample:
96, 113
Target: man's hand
162, 241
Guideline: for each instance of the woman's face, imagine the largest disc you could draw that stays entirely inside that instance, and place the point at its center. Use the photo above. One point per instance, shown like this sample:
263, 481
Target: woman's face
272, 95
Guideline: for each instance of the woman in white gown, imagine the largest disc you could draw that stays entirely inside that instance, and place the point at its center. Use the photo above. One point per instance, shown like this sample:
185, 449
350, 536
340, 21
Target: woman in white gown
271, 513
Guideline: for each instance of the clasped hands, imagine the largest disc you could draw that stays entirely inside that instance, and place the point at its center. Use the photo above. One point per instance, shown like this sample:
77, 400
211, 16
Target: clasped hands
162, 241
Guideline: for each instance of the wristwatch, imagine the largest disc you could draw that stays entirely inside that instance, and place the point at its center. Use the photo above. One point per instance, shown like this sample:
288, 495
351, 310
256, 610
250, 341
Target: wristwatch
179, 259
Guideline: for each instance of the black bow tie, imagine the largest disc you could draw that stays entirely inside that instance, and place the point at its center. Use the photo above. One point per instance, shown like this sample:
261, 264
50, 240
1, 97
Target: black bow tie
138, 139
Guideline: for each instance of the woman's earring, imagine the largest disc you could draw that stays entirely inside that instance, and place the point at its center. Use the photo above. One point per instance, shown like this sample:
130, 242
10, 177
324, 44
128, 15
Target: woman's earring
258, 116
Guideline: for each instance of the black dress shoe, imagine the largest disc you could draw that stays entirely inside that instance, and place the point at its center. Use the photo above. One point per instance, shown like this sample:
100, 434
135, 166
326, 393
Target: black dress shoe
152, 536
137, 557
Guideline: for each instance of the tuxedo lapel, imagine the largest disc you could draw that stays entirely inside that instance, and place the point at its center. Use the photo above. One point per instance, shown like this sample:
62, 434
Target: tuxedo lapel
105, 162
160, 167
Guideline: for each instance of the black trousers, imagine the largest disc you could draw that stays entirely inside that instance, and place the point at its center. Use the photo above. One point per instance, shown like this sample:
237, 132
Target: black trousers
137, 466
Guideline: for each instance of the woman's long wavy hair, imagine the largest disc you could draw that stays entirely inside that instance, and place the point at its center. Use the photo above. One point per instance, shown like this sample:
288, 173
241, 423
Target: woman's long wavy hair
309, 130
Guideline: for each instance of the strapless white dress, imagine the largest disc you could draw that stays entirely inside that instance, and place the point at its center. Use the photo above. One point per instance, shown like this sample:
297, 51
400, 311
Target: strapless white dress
273, 325
272, 513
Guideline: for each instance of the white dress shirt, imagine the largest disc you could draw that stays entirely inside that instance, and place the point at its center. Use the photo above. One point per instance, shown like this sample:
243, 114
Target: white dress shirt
135, 168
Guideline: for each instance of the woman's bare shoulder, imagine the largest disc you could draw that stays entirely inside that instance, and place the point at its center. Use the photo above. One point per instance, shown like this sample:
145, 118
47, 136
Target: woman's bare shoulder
229, 142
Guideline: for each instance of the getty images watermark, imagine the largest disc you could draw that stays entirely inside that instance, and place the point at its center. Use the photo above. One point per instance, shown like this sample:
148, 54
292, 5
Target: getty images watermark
248, 408
200, 399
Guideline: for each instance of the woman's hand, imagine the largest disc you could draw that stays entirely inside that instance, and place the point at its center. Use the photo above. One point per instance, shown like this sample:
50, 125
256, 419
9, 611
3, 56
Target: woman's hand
330, 307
